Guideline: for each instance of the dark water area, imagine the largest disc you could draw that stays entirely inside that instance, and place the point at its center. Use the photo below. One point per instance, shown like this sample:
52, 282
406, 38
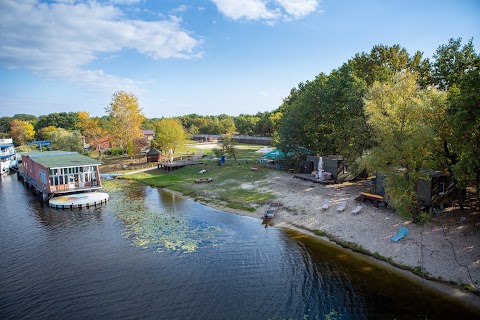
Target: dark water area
150, 254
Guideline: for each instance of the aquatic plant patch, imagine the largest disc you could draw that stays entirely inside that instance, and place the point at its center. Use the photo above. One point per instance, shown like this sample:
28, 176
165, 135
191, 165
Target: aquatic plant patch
160, 230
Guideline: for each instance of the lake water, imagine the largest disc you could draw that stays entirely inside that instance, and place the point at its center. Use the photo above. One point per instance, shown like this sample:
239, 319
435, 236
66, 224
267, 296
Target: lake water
150, 254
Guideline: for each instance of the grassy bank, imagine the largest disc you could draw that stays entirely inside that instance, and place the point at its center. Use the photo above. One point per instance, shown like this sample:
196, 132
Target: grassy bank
234, 185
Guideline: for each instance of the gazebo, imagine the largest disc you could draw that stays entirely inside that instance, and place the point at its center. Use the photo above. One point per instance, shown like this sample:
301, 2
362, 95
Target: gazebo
154, 155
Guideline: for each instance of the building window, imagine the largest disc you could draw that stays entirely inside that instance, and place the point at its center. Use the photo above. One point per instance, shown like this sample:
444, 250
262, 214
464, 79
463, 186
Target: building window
441, 188
43, 176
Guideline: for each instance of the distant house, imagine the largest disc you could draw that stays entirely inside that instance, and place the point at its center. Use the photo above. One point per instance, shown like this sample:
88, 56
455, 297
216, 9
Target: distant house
40, 143
148, 134
154, 155
59, 172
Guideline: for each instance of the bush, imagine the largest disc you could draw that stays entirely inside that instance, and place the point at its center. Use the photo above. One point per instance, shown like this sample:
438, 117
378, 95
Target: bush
424, 217
117, 152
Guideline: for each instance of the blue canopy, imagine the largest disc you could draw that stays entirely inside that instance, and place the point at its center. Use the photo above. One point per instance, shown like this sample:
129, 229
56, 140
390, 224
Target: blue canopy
274, 154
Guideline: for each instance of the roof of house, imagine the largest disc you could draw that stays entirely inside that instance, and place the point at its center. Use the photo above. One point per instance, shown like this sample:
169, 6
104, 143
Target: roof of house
153, 152
55, 159
148, 132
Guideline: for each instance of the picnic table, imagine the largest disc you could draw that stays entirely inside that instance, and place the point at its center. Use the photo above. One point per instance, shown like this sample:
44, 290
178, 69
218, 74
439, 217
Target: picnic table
375, 198
202, 180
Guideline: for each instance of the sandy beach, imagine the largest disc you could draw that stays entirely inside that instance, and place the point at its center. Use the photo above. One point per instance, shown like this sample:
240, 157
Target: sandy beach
444, 247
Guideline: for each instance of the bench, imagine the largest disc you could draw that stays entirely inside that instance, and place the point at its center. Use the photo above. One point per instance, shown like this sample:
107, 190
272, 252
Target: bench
203, 180
376, 199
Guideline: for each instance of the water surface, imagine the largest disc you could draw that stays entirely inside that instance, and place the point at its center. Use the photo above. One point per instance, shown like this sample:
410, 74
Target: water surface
154, 255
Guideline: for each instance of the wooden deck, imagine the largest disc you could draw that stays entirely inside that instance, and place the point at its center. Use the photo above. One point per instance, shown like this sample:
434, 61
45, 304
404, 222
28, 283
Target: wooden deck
167, 166
311, 178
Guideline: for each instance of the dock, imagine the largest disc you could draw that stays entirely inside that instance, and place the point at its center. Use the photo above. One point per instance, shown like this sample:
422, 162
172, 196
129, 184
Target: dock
170, 166
80, 200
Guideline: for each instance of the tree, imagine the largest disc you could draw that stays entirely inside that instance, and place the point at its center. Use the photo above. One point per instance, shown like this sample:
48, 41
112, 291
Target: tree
94, 131
126, 119
5, 124
62, 139
226, 125
65, 120
245, 124
44, 133
383, 62
21, 131
404, 119
26, 117
452, 61
463, 120
169, 135
229, 146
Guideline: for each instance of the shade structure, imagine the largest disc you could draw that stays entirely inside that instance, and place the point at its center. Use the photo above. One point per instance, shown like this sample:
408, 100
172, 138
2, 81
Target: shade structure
264, 150
274, 154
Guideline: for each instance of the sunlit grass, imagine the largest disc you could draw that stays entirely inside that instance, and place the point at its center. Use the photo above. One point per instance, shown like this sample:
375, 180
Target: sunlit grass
228, 187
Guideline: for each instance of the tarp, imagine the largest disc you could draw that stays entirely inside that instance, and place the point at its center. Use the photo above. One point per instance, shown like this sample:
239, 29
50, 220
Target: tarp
264, 150
274, 154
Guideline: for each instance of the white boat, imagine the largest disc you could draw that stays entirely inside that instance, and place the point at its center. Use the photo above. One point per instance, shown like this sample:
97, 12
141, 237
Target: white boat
8, 156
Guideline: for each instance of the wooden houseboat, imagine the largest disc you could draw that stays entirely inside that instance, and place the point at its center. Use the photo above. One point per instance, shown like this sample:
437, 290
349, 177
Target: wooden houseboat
59, 172
8, 156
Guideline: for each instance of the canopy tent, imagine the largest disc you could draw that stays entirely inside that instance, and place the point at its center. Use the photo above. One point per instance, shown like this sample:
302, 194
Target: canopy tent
264, 150
274, 154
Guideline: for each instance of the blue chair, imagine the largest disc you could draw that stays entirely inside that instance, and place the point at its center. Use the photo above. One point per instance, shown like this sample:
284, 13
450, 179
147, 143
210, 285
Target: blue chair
399, 235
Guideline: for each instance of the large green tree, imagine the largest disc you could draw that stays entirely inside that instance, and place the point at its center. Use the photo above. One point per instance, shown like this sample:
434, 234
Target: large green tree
404, 119
463, 120
451, 61
126, 118
64, 120
169, 135
62, 139
245, 124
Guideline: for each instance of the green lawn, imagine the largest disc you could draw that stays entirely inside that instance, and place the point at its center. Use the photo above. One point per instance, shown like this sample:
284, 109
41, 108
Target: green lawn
234, 184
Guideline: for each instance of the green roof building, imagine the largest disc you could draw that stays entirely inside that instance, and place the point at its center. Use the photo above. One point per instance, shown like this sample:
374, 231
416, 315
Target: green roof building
59, 172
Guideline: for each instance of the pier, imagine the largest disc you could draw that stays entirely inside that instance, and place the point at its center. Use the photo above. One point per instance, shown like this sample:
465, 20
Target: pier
170, 166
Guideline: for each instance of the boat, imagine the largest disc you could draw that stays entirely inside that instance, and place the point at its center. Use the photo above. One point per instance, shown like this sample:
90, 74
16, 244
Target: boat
272, 209
8, 156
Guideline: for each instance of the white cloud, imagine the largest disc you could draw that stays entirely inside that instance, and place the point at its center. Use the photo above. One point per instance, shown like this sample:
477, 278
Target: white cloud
60, 39
126, 2
246, 9
180, 9
299, 8
266, 10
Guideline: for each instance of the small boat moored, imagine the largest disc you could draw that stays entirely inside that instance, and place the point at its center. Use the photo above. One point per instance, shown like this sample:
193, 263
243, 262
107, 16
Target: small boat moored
272, 209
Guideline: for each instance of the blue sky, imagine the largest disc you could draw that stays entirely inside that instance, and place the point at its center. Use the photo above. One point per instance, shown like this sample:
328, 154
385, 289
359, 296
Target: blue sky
207, 56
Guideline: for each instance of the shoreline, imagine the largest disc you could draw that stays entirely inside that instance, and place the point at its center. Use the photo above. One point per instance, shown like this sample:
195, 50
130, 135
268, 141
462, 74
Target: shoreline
368, 233
450, 291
